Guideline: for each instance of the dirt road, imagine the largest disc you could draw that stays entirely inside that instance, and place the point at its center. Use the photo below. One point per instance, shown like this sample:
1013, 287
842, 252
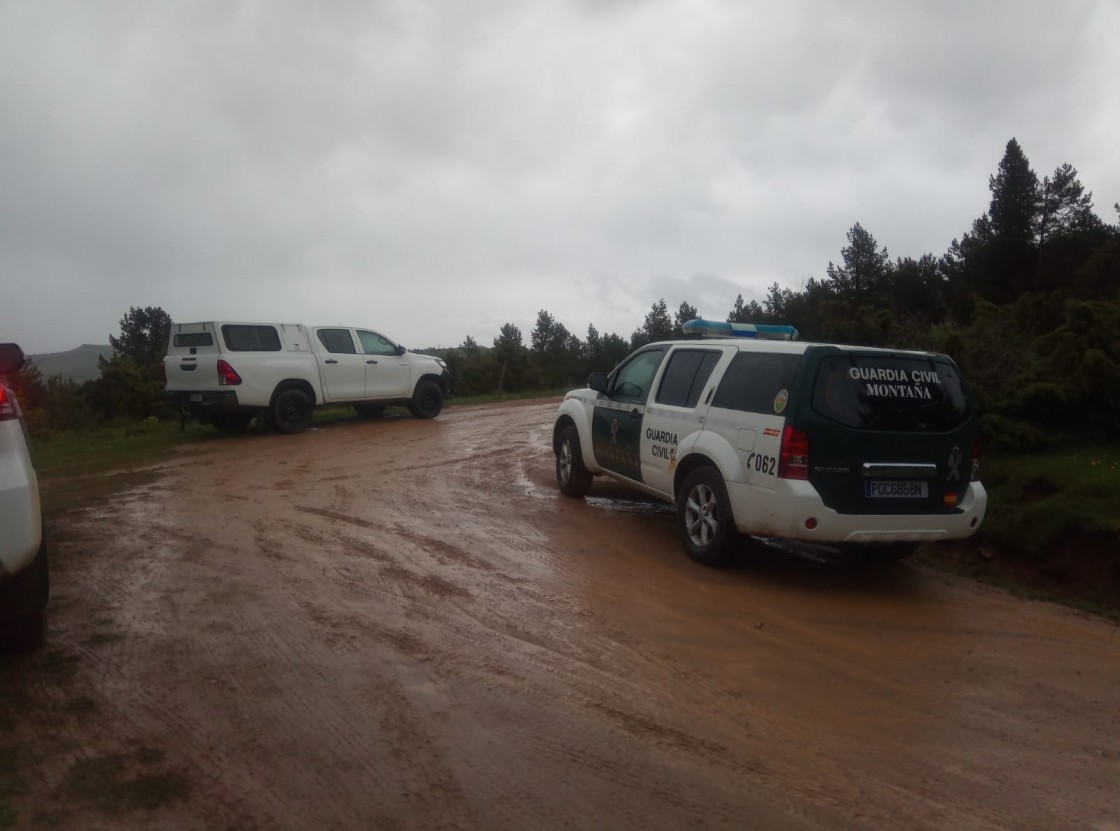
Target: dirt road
401, 625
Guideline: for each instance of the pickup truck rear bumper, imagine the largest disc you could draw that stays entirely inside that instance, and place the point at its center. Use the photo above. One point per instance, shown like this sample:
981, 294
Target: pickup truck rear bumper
198, 402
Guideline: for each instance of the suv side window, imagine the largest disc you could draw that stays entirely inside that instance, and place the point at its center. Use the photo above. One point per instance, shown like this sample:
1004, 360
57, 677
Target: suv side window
634, 378
754, 380
375, 344
250, 338
337, 341
685, 375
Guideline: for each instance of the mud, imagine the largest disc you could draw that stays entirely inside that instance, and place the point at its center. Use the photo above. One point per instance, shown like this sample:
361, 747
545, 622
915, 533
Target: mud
401, 625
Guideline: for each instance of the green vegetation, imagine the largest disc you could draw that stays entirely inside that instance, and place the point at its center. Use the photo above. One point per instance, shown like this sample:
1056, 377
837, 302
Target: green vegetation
112, 446
1037, 499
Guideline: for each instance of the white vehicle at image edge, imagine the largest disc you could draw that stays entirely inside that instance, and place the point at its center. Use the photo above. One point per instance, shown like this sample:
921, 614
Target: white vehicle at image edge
24, 579
229, 373
853, 452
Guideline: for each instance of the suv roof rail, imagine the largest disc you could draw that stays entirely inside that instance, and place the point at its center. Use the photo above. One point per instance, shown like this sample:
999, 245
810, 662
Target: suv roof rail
701, 328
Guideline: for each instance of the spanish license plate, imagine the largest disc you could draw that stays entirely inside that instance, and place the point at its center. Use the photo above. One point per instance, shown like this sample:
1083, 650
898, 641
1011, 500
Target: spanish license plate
875, 489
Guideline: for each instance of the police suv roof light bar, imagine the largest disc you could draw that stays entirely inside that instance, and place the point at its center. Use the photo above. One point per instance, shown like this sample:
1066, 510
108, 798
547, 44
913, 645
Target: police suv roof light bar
701, 328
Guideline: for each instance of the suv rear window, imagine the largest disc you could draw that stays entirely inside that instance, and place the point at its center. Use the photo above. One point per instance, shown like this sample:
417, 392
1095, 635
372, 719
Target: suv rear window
242, 338
879, 392
755, 382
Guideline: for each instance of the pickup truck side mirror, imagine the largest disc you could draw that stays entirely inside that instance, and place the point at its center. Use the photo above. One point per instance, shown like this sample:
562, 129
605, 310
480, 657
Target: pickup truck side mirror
401, 350
597, 381
11, 358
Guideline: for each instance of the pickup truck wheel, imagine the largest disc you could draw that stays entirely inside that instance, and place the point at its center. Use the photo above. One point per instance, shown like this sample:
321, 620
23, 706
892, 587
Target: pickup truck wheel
571, 475
704, 519
370, 410
426, 401
291, 411
228, 421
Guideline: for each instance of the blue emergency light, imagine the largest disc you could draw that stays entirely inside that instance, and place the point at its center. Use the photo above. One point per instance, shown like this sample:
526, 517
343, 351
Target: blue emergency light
701, 328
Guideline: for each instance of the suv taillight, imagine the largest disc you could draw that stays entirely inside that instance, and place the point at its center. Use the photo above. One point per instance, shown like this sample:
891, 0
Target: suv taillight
227, 377
793, 458
7, 404
976, 458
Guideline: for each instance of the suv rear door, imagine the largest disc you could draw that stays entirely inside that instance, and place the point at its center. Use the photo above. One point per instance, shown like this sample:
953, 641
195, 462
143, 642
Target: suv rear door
889, 432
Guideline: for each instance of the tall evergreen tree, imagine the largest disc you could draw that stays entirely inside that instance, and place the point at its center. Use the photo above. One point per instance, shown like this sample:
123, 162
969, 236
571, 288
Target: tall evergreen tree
657, 326
684, 314
865, 267
744, 312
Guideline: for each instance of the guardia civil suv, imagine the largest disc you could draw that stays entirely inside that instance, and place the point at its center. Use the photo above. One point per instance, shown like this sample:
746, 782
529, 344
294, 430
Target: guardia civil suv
869, 452
23, 553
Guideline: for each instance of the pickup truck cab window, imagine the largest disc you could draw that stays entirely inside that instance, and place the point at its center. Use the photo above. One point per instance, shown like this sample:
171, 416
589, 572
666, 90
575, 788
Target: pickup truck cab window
337, 341
375, 344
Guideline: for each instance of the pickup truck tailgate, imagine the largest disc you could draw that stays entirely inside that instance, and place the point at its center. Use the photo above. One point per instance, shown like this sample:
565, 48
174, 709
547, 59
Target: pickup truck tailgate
192, 357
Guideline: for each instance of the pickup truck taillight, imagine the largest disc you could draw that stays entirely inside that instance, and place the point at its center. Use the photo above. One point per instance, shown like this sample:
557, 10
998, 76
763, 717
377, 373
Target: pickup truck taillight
793, 458
7, 404
227, 376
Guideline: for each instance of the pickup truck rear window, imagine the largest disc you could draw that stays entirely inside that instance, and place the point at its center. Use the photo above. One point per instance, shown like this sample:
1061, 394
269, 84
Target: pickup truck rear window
882, 392
249, 338
194, 339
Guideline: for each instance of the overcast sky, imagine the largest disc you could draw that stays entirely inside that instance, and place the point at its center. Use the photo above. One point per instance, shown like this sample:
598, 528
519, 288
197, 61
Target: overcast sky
434, 170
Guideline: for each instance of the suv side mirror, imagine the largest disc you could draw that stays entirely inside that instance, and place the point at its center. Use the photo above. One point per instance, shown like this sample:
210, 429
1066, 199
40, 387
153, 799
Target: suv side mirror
597, 381
11, 358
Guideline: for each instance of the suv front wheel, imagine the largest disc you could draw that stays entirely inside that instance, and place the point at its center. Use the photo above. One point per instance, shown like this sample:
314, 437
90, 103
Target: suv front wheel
704, 519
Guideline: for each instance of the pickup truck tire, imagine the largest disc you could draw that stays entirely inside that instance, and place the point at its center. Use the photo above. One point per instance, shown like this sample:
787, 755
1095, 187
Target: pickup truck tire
571, 475
291, 411
228, 421
704, 519
426, 401
370, 410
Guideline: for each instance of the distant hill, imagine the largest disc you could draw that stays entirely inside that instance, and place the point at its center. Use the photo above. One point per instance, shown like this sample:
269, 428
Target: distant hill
78, 365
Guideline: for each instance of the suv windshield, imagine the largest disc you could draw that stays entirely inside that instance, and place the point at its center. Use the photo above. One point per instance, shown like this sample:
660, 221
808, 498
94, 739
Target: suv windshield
880, 392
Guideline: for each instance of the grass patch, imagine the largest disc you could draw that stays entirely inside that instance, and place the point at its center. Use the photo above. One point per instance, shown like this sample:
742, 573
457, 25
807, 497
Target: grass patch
498, 398
112, 446
1036, 499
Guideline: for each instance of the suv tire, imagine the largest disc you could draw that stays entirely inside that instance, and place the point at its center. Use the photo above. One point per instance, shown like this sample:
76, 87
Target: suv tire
704, 519
571, 476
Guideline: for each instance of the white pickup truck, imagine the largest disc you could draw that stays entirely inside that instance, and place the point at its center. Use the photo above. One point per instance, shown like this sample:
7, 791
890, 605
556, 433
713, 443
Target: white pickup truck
229, 373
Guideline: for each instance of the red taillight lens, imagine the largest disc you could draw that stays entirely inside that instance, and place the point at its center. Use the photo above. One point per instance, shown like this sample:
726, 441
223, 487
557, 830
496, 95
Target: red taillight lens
7, 404
793, 458
227, 377
976, 459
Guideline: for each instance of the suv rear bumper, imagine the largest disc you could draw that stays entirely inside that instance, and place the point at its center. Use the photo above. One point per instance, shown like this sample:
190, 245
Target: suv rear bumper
785, 510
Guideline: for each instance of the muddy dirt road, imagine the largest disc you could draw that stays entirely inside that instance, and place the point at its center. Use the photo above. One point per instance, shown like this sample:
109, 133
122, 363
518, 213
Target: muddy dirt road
401, 625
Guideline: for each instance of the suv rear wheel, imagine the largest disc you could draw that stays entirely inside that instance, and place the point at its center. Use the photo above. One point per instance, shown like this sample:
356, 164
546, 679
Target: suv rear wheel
704, 519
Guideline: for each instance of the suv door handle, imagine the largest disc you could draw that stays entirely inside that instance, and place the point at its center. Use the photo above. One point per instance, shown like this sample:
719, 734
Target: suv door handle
330, 361
635, 414
371, 362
